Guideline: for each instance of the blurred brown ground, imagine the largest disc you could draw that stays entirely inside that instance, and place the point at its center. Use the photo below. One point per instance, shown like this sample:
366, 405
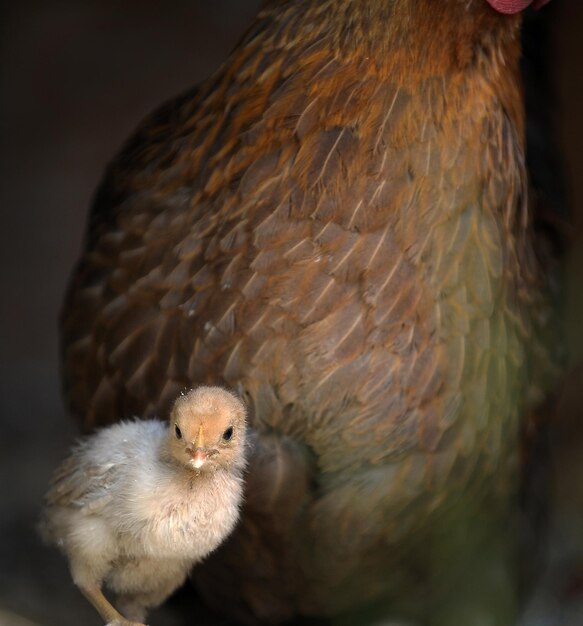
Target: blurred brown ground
76, 77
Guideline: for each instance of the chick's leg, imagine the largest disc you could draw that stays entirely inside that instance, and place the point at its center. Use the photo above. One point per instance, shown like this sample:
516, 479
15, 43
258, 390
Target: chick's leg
87, 574
105, 608
101, 603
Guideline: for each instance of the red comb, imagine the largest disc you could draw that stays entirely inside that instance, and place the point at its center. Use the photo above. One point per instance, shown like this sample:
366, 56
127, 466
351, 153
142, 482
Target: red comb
515, 6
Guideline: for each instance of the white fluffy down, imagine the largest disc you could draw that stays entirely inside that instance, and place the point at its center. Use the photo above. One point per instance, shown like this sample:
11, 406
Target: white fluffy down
128, 518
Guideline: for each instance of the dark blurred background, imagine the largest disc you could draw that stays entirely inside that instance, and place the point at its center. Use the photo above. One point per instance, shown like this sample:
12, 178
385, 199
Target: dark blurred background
75, 79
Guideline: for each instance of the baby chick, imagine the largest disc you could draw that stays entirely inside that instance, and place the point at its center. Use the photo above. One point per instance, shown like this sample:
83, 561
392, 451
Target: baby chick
138, 503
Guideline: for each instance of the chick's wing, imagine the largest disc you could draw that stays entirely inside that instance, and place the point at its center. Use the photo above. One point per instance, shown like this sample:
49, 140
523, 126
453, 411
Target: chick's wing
79, 483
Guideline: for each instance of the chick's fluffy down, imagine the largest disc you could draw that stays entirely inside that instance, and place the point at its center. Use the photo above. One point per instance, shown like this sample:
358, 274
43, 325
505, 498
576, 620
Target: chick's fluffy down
115, 501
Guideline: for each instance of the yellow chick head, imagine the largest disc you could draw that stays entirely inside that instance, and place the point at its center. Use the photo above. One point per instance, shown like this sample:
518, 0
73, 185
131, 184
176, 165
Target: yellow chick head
207, 429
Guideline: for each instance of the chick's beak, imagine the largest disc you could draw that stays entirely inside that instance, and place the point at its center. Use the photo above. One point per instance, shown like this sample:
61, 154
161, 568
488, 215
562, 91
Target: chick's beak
199, 455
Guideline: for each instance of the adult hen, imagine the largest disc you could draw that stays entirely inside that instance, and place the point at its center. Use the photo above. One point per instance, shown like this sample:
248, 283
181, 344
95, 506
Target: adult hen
336, 223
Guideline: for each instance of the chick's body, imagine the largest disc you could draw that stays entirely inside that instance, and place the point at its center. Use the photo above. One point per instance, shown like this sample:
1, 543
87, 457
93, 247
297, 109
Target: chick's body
336, 223
130, 513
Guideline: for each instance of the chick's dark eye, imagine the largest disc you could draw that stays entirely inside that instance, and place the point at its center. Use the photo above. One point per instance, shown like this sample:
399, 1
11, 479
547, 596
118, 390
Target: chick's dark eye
178, 432
228, 434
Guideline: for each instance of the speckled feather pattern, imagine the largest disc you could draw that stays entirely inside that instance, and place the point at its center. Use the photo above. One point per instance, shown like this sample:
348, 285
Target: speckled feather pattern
336, 223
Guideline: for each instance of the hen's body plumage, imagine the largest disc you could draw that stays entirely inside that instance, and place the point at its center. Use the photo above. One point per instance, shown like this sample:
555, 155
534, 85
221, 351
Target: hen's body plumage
336, 224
